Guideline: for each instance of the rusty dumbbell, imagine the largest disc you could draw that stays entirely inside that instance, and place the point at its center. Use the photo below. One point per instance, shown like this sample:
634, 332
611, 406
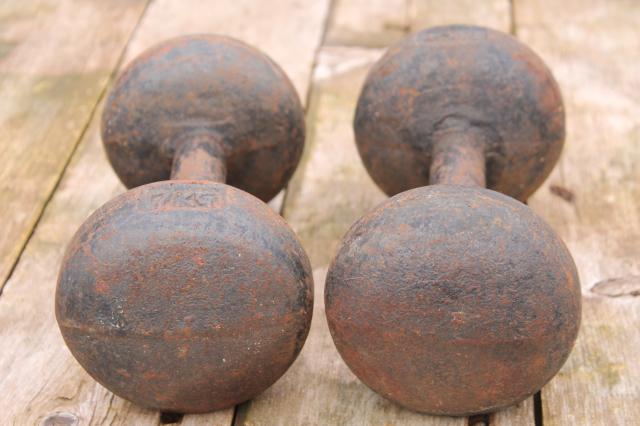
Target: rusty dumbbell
453, 298
190, 295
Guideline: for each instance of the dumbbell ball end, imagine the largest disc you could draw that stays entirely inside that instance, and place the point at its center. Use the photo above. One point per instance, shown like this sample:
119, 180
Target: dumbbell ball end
185, 296
453, 300
205, 85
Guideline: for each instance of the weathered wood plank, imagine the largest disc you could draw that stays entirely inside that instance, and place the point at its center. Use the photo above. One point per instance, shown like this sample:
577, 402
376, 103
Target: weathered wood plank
320, 389
289, 31
330, 191
494, 14
369, 23
593, 198
244, 19
39, 379
600, 384
55, 61
517, 415
366, 23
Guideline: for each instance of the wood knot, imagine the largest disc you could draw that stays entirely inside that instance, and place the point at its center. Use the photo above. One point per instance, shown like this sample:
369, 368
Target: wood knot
617, 287
565, 193
61, 418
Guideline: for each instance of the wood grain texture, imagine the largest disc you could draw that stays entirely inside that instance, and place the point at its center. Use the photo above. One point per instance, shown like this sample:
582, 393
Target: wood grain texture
289, 31
594, 53
368, 23
517, 415
600, 384
319, 388
39, 378
380, 23
40, 382
55, 61
330, 191
494, 14
593, 198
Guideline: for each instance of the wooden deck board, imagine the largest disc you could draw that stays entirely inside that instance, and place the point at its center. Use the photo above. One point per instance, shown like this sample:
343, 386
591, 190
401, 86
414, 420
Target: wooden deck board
367, 23
51, 79
330, 190
39, 379
518, 415
56, 58
379, 23
593, 199
494, 14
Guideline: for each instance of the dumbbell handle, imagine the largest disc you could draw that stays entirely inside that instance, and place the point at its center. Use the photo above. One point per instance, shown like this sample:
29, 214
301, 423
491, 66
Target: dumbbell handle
458, 156
199, 156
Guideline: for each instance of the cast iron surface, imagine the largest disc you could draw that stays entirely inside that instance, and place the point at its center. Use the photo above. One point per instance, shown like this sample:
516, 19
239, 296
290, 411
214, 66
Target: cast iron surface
473, 77
191, 295
453, 300
205, 83
185, 296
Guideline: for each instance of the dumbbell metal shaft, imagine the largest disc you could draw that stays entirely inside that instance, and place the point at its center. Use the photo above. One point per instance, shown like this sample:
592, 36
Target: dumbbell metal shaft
200, 157
458, 156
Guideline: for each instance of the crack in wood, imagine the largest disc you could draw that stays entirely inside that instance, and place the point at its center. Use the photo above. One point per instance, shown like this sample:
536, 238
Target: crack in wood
628, 285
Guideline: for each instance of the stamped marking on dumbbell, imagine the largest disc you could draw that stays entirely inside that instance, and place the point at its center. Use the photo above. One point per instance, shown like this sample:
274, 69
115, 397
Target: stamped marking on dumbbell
184, 199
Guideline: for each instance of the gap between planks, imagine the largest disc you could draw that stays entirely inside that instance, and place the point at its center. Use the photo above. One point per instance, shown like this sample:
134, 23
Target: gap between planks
330, 173
74, 148
51, 87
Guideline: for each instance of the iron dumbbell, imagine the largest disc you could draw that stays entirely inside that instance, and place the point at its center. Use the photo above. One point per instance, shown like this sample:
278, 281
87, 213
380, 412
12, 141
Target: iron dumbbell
453, 298
189, 294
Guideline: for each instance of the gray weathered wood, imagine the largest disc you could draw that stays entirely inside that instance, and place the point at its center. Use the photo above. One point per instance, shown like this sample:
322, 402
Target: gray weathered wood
494, 14
368, 23
39, 379
55, 61
330, 191
593, 198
